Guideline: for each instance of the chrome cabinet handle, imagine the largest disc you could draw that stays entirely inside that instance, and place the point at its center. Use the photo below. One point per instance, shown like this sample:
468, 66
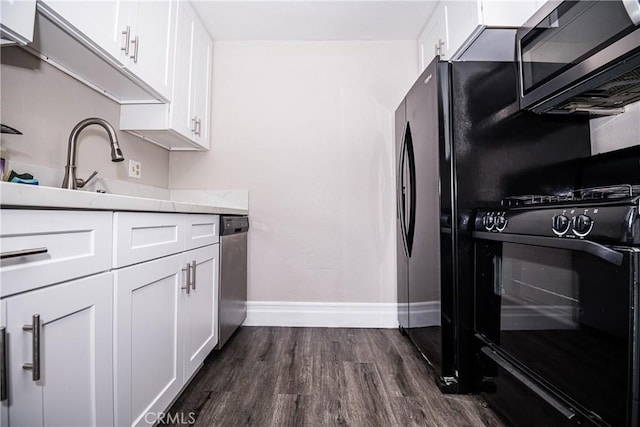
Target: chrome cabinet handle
136, 44
439, 46
187, 286
3, 364
23, 252
127, 39
193, 275
194, 121
35, 328
198, 126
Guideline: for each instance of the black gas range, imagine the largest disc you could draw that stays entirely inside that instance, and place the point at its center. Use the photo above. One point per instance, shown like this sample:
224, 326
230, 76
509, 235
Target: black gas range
557, 305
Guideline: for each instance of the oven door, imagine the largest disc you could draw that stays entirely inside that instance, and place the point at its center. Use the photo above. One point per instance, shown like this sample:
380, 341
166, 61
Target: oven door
560, 314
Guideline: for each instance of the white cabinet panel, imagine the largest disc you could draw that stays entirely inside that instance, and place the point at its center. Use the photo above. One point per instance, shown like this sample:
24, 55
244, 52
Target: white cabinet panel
77, 244
143, 236
200, 316
75, 386
202, 230
17, 21
148, 356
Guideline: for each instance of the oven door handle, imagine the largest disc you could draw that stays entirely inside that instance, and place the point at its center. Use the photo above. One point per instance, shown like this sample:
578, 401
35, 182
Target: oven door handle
539, 391
609, 255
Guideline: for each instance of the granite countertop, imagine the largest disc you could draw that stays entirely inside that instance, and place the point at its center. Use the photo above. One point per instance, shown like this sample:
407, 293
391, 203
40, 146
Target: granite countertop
23, 196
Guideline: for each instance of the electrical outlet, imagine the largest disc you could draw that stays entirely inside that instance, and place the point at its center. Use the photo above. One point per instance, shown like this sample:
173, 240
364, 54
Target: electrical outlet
135, 169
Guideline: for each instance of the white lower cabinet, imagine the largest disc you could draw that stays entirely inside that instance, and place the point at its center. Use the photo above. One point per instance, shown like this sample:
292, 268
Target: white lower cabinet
165, 327
60, 355
104, 316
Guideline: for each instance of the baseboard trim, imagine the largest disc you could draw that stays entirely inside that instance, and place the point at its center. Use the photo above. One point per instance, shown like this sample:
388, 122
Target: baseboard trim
328, 315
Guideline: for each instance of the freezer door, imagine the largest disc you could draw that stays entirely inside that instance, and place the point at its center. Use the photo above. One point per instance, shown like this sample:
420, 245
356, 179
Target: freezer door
424, 228
401, 250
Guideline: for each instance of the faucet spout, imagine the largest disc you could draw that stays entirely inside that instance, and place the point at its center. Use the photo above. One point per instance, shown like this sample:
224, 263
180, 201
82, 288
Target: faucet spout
70, 180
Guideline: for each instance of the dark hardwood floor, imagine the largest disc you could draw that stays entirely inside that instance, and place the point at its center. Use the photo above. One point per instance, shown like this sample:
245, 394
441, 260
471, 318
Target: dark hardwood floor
268, 376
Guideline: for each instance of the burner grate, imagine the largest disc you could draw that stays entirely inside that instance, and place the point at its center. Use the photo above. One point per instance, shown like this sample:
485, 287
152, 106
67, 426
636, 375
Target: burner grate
612, 192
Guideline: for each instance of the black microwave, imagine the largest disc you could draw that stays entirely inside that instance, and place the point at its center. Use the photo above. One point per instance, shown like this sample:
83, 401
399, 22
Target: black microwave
580, 56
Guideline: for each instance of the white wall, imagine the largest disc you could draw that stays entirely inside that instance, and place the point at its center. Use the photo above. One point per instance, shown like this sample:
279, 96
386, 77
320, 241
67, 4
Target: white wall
307, 128
612, 133
45, 104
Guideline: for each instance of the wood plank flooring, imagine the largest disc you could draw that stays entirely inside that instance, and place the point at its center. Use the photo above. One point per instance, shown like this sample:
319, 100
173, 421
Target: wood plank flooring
269, 376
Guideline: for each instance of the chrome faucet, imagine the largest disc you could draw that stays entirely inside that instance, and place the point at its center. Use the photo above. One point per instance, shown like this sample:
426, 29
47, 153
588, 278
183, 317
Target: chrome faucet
70, 180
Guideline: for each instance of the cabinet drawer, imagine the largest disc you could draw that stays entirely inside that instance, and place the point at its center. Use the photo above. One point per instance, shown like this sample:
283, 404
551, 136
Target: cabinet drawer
141, 237
202, 230
77, 244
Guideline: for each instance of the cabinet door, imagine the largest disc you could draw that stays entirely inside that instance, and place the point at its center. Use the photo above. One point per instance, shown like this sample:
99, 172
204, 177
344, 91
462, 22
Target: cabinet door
201, 75
147, 339
152, 44
17, 20
433, 36
75, 348
200, 316
182, 101
102, 23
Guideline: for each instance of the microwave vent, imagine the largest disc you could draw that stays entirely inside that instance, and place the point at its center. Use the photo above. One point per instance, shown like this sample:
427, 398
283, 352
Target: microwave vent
607, 98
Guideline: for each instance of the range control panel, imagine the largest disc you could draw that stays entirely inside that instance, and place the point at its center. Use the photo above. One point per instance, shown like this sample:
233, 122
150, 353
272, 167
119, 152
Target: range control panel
607, 223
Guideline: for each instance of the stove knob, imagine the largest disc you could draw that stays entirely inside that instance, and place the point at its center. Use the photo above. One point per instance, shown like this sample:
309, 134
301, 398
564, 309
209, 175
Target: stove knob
501, 223
560, 225
582, 225
488, 221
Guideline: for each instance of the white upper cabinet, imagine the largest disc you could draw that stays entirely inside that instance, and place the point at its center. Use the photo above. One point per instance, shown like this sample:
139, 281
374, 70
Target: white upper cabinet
16, 21
183, 124
454, 22
122, 48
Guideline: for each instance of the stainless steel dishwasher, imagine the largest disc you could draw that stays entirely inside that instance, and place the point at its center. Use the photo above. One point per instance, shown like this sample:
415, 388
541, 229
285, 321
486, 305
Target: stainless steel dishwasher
232, 294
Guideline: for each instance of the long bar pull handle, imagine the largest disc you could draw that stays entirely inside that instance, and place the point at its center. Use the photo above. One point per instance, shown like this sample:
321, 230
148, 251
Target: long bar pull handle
127, 39
198, 126
23, 252
596, 249
3, 364
565, 410
136, 44
193, 275
35, 328
187, 285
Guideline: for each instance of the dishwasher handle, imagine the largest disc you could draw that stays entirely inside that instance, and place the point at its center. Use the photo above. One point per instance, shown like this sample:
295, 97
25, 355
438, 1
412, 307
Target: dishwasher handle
233, 225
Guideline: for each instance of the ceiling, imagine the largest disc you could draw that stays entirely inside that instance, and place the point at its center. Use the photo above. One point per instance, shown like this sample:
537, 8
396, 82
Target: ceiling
313, 20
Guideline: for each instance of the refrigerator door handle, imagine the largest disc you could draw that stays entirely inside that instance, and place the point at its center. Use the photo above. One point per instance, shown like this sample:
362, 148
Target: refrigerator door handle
412, 189
400, 189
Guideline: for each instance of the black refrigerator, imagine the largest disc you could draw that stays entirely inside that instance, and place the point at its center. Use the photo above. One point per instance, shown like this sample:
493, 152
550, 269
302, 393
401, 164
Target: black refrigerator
460, 140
